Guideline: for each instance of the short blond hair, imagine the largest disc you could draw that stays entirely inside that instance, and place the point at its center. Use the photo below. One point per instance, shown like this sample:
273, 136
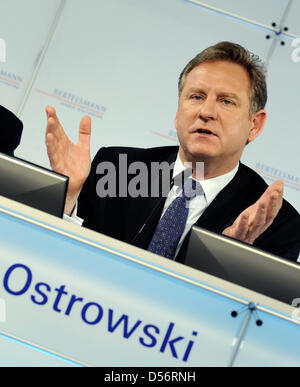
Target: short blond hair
232, 52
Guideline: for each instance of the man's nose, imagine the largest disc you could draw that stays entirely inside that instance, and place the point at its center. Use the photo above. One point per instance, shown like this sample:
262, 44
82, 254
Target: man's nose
208, 110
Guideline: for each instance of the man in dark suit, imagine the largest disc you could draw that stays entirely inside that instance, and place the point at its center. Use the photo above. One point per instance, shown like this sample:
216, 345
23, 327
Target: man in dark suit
10, 131
222, 95
123, 217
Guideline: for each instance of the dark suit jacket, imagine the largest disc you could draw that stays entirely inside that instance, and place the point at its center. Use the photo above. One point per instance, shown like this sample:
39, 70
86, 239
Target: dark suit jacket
124, 217
10, 131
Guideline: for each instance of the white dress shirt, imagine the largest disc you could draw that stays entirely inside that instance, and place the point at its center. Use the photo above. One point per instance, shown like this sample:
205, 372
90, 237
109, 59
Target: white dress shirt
198, 204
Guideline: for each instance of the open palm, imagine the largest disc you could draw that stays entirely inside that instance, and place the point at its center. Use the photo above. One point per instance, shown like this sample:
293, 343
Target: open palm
257, 218
67, 158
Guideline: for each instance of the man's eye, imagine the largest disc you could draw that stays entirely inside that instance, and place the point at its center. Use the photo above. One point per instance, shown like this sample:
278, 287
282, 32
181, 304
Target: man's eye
196, 97
227, 102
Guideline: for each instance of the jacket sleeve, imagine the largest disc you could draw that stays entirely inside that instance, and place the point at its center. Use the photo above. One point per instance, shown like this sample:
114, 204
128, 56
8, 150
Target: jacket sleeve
10, 131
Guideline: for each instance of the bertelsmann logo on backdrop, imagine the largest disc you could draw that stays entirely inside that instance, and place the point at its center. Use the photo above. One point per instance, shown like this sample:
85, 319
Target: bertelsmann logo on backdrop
76, 102
172, 135
10, 79
271, 174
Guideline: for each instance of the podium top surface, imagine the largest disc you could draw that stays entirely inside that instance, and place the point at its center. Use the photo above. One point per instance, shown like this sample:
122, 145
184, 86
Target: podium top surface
144, 258
86, 299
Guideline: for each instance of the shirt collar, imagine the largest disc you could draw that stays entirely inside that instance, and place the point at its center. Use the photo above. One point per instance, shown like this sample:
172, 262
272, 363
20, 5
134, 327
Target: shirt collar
211, 187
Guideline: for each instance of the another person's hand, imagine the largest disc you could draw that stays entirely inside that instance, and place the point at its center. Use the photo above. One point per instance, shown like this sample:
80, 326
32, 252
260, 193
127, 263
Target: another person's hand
69, 159
255, 220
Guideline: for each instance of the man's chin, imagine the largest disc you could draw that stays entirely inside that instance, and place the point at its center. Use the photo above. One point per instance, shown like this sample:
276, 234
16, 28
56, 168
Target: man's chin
197, 155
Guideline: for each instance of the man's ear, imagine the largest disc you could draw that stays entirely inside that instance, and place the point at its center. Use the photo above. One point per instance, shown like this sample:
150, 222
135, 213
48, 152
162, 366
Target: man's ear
258, 122
176, 119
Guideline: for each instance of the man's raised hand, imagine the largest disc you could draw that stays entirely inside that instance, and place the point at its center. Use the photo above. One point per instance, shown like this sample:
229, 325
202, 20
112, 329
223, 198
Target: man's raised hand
255, 220
69, 159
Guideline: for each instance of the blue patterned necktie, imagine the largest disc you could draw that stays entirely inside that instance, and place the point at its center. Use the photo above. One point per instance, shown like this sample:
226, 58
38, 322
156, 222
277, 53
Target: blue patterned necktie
171, 226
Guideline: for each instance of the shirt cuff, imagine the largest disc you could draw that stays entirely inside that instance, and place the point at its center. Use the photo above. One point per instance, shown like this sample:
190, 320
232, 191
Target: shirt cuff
73, 218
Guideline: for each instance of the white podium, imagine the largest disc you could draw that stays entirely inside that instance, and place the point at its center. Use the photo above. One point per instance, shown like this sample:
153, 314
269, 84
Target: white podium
72, 297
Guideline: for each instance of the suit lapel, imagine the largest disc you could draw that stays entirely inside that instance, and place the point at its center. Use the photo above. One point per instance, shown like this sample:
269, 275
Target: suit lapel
227, 205
155, 207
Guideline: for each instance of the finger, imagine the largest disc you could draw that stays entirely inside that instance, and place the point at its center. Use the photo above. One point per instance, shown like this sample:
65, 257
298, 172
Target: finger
51, 113
275, 191
85, 129
52, 150
239, 228
52, 129
259, 223
278, 186
242, 226
275, 205
50, 110
274, 199
275, 187
53, 124
260, 216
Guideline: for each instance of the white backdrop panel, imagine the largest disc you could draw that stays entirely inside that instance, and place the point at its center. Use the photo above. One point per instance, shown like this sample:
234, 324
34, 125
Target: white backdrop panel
264, 12
119, 62
275, 154
293, 18
24, 25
